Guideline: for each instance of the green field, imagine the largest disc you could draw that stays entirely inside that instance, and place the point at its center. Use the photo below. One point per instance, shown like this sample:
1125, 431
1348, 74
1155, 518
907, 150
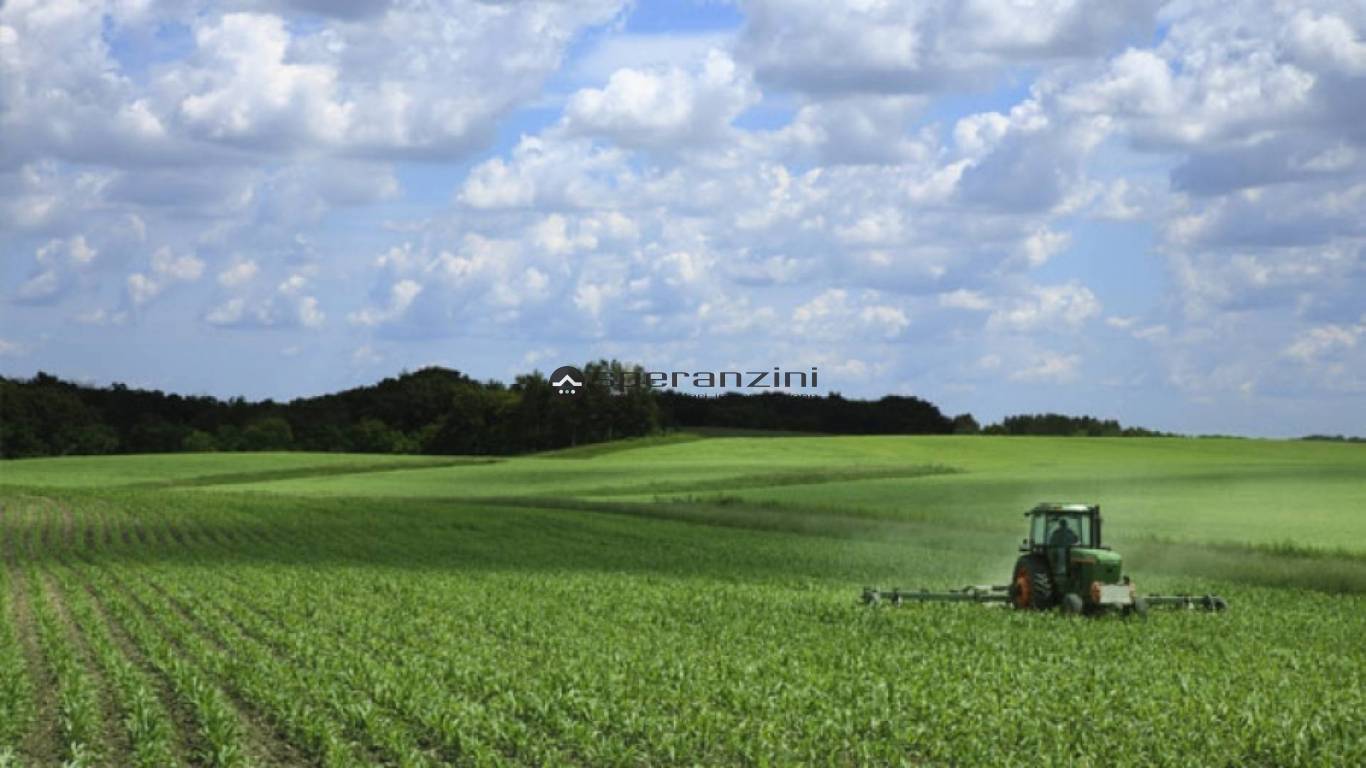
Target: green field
676, 601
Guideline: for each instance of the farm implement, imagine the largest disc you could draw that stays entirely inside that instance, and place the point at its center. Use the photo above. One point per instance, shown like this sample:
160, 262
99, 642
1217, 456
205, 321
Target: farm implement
1062, 564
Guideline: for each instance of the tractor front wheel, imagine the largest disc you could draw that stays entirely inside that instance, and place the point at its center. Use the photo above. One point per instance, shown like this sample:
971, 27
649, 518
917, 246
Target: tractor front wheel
1032, 584
1072, 603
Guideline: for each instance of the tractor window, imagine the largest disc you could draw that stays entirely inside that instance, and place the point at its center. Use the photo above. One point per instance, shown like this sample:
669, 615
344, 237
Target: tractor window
1080, 525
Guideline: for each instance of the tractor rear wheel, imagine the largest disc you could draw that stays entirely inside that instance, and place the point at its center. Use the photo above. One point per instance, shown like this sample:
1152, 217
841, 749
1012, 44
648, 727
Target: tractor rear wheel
1032, 584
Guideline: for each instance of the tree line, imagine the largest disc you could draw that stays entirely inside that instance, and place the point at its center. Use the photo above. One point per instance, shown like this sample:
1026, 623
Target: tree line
781, 411
433, 410
442, 411
1066, 426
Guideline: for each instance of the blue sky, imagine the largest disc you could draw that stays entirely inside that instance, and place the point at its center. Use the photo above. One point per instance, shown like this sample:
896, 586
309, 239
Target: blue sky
1145, 211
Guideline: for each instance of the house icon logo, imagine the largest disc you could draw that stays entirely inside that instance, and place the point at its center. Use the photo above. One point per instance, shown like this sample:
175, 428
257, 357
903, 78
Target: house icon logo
567, 380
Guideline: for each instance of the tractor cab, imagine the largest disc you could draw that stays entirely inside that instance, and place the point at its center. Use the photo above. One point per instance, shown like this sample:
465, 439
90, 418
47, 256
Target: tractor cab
1050, 525
1064, 561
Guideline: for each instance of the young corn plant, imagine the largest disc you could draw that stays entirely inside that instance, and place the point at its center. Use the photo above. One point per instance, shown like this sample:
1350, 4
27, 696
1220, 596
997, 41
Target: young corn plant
78, 710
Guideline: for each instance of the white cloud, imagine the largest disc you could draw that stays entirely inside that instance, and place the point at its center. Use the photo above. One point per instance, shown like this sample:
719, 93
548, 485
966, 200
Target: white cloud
664, 108
902, 47
890, 320
1043, 244
735, 317
1050, 367
878, 227
292, 285
237, 274
248, 92
1323, 340
310, 314
185, 267
366, 356
409, 78
1030, 160
401, 296
142, 289
962, 298
552, 234
101, 317
546, 174
166, 269
43, 285
80, 252
1327, 40
835, 314
857, 129
1210, 282
592, 297
655, 51
228, 313
1068, 305
286, 307
58, 263
1151, 332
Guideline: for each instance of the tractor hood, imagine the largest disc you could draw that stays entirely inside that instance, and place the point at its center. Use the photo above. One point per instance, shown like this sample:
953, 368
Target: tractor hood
1100, 565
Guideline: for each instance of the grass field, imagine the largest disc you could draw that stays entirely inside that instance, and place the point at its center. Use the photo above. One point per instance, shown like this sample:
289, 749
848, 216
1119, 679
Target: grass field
676, 601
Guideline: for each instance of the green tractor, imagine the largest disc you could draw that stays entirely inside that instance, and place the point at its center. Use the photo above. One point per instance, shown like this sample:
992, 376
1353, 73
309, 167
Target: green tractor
1063, 564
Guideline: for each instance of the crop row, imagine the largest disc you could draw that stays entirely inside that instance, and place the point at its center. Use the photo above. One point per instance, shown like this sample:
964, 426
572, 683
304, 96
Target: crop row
16, 698
243, 631
351, 609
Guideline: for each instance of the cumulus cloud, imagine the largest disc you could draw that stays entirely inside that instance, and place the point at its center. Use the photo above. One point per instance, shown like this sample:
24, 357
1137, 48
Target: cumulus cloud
908, 47
1040, 246
963, 298
664, 108
248, 92
166, 269
287, 306
835, 314
237, 274
1328, 41
1064, 306
40, 287
547, 174
1323, 340
857, 129
406, 79
57, 262
1049, 367
1026, 161
401, 296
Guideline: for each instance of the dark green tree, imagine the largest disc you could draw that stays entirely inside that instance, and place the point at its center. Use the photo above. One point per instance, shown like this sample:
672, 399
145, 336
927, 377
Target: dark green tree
271, 433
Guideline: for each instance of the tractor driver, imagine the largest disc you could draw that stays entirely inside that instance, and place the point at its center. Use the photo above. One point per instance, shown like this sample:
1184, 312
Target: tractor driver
1062, 538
